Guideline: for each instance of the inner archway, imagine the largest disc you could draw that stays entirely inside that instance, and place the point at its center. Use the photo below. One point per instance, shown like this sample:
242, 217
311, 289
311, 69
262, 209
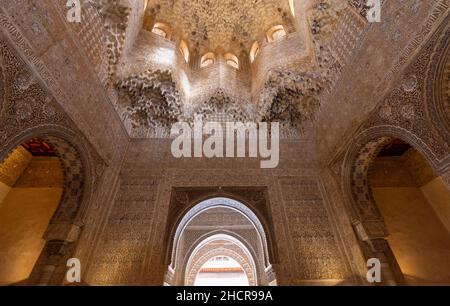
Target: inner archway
219, 227
241, 261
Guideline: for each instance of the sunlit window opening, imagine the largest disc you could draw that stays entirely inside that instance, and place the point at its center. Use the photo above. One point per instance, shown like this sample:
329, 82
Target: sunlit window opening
221, 271
276, 33
292, 6
184, 49
160, 29
254, 51
207, 60
232, 60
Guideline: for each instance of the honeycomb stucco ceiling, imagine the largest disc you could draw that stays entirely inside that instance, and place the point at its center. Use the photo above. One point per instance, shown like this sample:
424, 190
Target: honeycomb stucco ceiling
210, 25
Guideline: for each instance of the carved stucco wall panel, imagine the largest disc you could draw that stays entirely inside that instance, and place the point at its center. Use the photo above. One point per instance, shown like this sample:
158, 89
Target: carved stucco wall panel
30, 111
338, 207
410, 112
315, 248
411, 109
407, 112
120, 251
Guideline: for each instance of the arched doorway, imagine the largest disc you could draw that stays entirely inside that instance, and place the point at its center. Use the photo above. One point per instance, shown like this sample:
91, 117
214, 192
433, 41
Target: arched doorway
400, 207
219, 227
415, 205
43, 198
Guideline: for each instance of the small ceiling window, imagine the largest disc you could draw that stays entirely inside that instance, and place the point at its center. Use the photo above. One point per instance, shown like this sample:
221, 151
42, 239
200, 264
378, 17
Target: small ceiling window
232, 60
184, 49
207, 60
275, 33
292, 6
254, 51
161, 29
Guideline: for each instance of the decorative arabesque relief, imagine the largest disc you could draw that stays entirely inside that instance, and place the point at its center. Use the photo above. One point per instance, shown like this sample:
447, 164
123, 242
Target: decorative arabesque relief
133, 247
316, 250
293, 97
404, 113
92, 33
410, 112
25, 104
366, 210
216, 227
175, 234
116, 14
121, 251
151, 99
323, 20
102, 34
209, 222
290, 98
408, 107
